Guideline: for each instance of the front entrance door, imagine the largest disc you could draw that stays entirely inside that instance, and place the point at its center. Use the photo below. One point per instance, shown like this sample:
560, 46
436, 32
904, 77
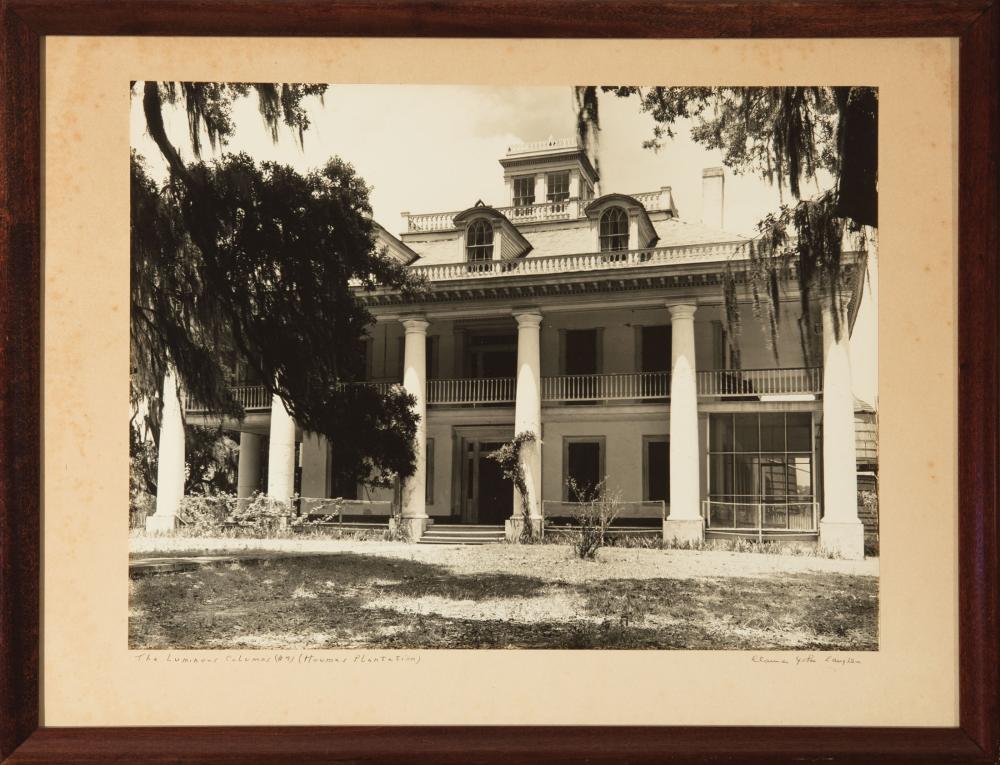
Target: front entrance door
488, 497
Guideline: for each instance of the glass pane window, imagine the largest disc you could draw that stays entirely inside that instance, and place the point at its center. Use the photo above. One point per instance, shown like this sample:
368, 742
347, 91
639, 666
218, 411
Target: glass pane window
658, 470
762, 458
745, 475
772, 432
479, 242
582, 469
798, 431
747, 433
721, 433
524, 191
557, 186
773, 477
614, 230
800, 474
720, 475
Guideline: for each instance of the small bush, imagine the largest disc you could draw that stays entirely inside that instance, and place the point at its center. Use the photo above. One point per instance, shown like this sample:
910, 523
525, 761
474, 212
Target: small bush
262, 515
636, 541
140, 506
595, 512
743, 545
204, 514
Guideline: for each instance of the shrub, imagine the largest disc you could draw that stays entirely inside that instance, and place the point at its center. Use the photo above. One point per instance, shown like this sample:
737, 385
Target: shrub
140, 505
637, 541
595, 512
204, 514
262, 515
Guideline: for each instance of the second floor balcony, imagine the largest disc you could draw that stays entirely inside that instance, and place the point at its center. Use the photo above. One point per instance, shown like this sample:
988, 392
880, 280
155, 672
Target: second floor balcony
634, 387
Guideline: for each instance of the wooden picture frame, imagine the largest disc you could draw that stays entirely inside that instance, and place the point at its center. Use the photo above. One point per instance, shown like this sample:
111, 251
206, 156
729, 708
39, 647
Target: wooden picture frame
25, 24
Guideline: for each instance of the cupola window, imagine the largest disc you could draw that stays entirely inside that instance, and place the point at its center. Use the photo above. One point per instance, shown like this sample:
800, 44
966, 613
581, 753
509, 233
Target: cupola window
557, 187
614, 230
479, 245
524, 191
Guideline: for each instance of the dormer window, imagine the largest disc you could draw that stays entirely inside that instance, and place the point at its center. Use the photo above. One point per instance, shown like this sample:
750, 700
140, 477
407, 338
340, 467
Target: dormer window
614, 230
479, 245
524, 191
557, 187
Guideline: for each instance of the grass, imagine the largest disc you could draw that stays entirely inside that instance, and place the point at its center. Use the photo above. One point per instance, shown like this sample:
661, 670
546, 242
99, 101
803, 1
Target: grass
349, 599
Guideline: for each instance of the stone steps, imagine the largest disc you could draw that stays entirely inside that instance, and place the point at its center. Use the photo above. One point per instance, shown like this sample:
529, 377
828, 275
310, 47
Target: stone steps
464, 534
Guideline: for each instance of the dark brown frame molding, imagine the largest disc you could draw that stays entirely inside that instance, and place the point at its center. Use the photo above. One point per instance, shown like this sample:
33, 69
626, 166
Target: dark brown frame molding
25, 23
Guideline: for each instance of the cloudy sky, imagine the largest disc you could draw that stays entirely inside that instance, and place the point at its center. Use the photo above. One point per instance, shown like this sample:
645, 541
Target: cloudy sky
435, 148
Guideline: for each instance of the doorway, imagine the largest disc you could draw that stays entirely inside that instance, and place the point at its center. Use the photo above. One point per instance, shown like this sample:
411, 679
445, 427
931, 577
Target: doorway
487, 496
491, 355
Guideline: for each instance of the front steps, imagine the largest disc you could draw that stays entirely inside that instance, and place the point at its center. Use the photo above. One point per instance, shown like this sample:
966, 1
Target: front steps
461, 534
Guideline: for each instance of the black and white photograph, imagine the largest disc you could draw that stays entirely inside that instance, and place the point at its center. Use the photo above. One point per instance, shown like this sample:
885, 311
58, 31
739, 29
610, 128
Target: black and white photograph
483, 367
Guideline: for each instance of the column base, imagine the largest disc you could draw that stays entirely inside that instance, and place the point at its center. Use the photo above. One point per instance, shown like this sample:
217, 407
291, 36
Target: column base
845, 539
514, 526
410, 528
158, 523
684, 531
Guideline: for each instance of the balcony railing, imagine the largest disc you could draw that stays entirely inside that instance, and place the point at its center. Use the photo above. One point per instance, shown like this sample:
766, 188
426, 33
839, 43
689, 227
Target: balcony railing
564, 209
561, 210
254, 398
761, 517
610, 387
468, 391
626, 386
753, 383
579, 262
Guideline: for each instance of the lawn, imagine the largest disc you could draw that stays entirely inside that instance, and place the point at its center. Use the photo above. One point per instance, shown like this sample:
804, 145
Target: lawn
385, 595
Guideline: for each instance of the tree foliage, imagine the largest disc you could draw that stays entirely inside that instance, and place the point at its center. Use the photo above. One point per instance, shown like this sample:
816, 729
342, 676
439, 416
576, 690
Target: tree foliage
785, 135
210, 460
250, 270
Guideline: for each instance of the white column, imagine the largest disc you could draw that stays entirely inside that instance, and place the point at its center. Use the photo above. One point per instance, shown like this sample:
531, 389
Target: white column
248, 475
281, 452
840, 530
414, 511
684, 522
528, 418
170, 458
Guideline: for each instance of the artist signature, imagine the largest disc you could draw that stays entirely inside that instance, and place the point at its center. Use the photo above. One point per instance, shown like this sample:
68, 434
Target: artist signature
797, 661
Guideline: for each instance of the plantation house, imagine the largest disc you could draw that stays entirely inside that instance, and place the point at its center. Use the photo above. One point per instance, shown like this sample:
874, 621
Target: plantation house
595, 320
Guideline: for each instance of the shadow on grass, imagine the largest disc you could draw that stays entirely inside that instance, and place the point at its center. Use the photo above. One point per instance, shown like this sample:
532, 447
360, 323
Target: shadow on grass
340, 600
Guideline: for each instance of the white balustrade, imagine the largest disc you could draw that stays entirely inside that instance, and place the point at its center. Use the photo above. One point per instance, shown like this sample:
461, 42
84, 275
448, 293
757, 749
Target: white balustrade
536, 212
486, 390
251, 397
738, 383
634, 386
607, 387
579, 262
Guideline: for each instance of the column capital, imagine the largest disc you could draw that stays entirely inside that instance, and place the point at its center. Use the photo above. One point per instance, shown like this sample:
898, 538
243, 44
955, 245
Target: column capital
527, 317
682, 310
415, 325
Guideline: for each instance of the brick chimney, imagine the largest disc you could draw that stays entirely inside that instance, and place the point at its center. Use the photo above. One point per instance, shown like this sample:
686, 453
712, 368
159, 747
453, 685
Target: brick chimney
713, 197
